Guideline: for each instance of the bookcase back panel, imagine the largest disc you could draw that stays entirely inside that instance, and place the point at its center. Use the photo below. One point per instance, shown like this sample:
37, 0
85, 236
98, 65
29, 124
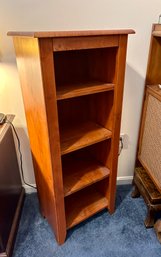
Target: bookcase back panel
97, 108
102, 152
102, 109
80, 66
85, 167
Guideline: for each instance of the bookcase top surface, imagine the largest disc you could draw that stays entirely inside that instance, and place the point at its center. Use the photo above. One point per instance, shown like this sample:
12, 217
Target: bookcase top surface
44, 34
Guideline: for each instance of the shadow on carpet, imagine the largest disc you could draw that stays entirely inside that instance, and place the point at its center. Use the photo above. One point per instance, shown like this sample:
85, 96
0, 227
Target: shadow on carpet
119, 235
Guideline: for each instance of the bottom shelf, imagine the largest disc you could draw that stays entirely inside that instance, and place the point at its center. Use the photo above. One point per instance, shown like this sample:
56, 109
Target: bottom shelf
82, 205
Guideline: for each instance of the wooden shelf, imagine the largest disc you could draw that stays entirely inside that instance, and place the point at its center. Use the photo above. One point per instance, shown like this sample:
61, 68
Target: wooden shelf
83, 205
80, 173
74, 90
82, 135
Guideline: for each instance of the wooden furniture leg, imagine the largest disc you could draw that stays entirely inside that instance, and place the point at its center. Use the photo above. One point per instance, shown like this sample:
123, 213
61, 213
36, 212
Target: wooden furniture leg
144, 186
149, 221
135, 193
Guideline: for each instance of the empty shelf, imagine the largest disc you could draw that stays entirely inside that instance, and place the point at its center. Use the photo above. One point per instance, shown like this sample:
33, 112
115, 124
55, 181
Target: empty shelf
82, 205
82, 135
80, 173
74, 90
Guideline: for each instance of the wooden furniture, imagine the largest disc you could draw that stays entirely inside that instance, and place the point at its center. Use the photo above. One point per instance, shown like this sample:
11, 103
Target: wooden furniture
72, 85
150, 136
11, 191
147, 177
144, 186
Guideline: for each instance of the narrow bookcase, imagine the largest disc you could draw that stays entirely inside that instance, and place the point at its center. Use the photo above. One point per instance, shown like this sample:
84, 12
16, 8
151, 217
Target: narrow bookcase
72, 86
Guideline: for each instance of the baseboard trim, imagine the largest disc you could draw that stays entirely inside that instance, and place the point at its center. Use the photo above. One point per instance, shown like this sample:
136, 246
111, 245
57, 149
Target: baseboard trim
124, 180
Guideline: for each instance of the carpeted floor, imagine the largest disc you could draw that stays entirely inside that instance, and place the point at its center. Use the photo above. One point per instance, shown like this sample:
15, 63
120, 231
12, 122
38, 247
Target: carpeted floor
120, 235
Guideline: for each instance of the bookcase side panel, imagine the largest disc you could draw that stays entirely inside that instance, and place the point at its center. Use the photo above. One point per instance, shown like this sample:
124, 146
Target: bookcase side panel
48, 76
30, 72
117, 110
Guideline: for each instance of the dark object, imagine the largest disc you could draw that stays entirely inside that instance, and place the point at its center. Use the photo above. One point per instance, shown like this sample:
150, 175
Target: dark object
11, 191
145, 187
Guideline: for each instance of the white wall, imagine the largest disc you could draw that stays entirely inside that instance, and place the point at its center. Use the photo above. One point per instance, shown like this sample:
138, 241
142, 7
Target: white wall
78, 15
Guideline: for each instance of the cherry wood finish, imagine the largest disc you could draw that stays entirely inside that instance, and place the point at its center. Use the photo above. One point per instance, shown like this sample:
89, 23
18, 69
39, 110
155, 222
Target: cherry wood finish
153, 75
73, 43
82, 135
81, 170
90, 202
72, 85
80, 33
72, 90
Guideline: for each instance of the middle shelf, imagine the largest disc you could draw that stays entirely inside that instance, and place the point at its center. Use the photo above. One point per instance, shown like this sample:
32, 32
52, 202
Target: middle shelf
80, 171
74, 90
82, 135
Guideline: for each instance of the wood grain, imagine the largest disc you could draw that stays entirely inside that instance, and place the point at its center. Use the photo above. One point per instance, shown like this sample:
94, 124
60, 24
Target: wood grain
102, 109
32, 57
80, 172
144, 110
117, 110
81, 135
80, 89
49, 89
83, 33
153, 74
86, 119
75, 43
86, 203
82, 66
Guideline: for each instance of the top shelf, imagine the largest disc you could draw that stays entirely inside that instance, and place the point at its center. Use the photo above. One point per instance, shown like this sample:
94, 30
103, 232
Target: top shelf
81, 135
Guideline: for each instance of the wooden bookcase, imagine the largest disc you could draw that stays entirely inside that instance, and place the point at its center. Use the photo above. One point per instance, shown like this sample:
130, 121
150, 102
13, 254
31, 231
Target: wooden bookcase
72, 86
